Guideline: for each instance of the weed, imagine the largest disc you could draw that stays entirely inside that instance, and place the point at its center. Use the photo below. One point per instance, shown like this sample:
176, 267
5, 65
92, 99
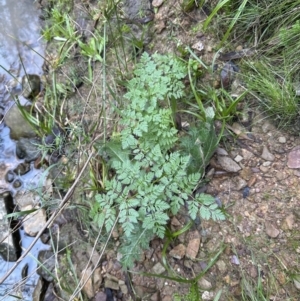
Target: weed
151, 178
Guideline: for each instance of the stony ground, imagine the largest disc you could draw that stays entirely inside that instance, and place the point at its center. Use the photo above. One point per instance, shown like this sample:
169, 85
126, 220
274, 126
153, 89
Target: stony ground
252, 176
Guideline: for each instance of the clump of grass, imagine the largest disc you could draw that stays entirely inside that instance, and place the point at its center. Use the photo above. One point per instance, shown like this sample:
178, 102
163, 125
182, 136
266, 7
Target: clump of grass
274, 90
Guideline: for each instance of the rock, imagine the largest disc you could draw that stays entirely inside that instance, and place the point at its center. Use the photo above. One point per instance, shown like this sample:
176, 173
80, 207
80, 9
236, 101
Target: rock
221, 151
97, 278
253, 271
238, 158
193, 245
157, 3
227, 74
271, 230
246, 154
294, 158
282, 140
24, 199
47, 262
22, 169
266, 155
221, 266
19, 126
290, 220
239, 183
28, 149
228, 164
100, 296
124, 289
31, 86
198, 46
267, 163
10, 176
178, 252
34, 221
204, 284
234, 260
50, 294
208, 295
38, 290
175, 222
17, 184
109, 283
158, 268
297, 282
88, 287
7, 249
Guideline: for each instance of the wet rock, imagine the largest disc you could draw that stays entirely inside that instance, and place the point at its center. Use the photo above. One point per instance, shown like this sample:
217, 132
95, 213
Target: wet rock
9, 177
17, 184
34, 221
47, 262
158, 268
50, 294
178, 252
19, 126
271, 230
266, 155
28, 149
31, 84
228, 164
294, 158
193, 245
38, 290
22, 169
7, 249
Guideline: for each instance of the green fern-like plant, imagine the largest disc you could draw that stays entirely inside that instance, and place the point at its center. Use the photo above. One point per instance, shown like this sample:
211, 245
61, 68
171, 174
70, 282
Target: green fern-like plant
150, 179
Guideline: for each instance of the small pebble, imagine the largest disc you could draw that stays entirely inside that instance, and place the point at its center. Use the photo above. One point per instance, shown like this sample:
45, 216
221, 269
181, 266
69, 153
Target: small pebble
238, 158
282, 140
246, 192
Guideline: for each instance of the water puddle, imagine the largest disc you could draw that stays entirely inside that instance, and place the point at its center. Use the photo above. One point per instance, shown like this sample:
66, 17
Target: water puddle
21, 52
